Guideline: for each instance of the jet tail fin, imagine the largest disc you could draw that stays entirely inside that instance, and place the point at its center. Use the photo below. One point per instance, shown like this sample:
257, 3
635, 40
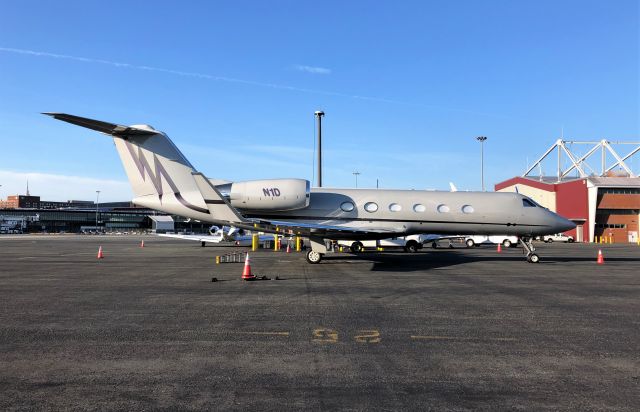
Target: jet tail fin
161, 176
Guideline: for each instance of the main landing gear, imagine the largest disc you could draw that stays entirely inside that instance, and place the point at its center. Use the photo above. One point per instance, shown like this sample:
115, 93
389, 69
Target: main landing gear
526, 243
313, 256
317, 250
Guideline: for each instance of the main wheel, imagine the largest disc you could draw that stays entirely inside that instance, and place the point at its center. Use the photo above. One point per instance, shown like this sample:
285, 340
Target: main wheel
549, 240
570, 240
434, 245
411, 246
533, 258
470, 243
506, 243
313, 256
356, 247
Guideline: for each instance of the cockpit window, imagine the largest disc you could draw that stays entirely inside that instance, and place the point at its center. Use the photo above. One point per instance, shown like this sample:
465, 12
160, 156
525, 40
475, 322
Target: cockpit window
528, 203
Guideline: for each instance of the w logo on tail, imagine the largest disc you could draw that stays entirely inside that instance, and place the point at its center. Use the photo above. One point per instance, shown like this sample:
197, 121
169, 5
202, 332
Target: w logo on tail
156, 174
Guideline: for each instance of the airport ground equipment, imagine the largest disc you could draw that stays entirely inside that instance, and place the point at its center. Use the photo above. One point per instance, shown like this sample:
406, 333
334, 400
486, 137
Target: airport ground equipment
163, 179
236, 257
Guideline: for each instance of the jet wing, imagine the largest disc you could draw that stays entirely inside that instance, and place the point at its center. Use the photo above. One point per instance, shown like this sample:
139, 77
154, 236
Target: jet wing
325, 229
202, 238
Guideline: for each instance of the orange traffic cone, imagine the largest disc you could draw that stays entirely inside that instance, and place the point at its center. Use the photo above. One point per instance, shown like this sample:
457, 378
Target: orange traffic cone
288, 248
100, 254
142, 243
246, 273
600, 260
499, 247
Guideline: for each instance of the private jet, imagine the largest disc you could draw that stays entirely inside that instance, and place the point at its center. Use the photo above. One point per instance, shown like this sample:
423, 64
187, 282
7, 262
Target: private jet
163, 179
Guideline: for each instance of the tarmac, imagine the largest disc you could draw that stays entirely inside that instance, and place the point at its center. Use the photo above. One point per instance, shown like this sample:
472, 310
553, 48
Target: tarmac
442, 329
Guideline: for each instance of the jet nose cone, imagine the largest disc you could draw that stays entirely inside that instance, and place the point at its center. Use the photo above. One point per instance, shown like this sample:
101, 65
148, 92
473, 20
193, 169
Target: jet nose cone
562, 225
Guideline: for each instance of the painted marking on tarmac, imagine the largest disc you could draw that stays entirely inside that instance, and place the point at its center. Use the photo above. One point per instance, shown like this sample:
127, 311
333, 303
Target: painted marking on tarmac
461, 338
367, 336
259, 333
324, 335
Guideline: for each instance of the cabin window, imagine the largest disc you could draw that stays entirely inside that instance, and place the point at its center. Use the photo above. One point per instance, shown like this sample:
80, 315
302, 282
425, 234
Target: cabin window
371, 207
347, 206
419, 208
443, 209
528, 203
467, 209
394, 207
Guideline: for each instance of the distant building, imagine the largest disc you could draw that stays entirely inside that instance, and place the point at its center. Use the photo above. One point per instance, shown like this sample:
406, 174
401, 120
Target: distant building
600, 205
34, 202
38, 215
20, 201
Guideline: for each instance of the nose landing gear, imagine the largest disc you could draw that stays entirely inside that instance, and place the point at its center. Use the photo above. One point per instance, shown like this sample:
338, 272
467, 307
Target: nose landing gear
532, 256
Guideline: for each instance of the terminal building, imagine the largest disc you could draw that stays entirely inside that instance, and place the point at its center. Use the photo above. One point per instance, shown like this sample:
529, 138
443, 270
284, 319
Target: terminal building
603, 203
26, 213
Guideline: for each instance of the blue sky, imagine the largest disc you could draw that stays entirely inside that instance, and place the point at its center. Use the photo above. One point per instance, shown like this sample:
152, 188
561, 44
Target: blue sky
406, 87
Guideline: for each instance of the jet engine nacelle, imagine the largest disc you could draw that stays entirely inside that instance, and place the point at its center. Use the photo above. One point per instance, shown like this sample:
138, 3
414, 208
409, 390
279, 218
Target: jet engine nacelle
270, 194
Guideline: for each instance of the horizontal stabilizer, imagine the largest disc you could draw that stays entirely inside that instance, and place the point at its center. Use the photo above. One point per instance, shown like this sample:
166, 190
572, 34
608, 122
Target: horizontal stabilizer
104, 127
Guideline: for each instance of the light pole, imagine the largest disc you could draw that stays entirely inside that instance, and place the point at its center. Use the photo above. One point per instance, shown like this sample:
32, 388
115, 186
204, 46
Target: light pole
481, 139
97, 202
319, 115
356, 175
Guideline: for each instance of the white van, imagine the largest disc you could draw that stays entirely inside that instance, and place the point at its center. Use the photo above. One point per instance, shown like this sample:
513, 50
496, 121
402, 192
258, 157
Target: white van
411, 243
504, 240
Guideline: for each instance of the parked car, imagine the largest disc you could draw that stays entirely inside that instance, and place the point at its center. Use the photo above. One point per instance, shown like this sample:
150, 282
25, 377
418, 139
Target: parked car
504, 240
558, 237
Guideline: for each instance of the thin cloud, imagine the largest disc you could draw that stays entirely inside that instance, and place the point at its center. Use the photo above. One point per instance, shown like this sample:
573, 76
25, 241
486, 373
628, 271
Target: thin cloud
312, 69
233, 80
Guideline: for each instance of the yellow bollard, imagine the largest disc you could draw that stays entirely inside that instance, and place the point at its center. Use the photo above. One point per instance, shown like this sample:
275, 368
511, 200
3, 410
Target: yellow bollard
254, 242
217, 260
298, 244
275, 243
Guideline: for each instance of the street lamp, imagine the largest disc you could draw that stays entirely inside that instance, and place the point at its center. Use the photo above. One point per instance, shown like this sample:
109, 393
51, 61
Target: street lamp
481, 139
356, 175
97, 200
319, 115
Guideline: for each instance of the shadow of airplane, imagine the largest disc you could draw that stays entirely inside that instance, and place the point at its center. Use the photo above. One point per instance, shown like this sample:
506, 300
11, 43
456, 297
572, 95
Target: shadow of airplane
404, 262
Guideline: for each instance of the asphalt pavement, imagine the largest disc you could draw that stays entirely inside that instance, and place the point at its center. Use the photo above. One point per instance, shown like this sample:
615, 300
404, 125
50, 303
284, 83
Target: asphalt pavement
442, 329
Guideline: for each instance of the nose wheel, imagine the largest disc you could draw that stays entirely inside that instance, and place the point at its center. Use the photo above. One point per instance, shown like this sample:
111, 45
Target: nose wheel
527, 245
